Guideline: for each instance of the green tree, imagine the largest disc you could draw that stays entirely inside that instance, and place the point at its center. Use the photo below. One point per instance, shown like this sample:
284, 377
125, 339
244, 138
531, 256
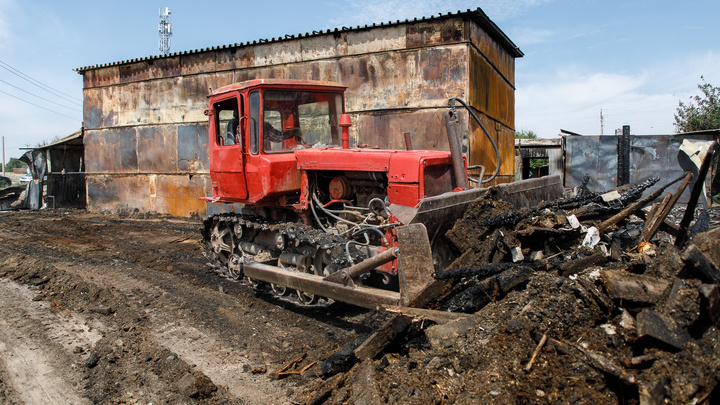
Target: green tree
702, 112
530, 134
525, 134
15, 164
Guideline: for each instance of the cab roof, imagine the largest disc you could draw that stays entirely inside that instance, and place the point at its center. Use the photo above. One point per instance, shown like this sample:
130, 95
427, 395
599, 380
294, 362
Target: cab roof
280, 83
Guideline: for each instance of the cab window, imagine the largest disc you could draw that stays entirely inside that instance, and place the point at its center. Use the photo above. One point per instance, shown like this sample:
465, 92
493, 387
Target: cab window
227, 123
300, 119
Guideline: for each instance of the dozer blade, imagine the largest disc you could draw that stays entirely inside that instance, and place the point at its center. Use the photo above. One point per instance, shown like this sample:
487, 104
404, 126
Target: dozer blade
415, 274
440, 212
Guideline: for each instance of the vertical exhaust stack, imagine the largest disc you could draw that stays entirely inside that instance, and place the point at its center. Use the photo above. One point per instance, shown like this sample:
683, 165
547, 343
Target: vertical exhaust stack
345, 124
451, 123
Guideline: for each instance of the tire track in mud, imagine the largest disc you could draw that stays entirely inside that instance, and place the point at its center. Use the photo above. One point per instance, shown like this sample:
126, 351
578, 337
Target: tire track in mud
36, 349
165, 305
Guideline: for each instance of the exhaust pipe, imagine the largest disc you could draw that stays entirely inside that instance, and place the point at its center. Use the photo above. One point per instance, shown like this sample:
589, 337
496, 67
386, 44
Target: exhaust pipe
451, 123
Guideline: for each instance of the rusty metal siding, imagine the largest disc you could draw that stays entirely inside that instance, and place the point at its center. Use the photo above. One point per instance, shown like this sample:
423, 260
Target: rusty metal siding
111, 151
155, 149
437, 33
483, 153
192, 148
101, 77
490, 93
235, 58
494, 52
118, 194
386, 130
167, 67
165, 194
423, 78
179, 196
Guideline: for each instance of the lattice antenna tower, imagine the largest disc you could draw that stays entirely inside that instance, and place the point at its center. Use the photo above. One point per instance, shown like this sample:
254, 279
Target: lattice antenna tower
165, 29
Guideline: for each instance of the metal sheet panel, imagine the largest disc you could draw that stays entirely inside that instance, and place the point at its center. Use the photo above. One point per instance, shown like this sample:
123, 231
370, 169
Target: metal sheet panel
193, 64
326, 46
481, 151
134, 72
101, 77
494, 52
111, 151
661, 156
378, 39
386, 130
413, 79
165, 67
179, 196
595, 156
278, 53
490, 93
235, 58
154, 149
115, 194
192, 148
167, 194
435, 33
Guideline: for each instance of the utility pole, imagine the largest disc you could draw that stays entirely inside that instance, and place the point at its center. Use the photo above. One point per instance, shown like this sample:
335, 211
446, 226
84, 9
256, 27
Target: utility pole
165, 29
602, 123
3, 161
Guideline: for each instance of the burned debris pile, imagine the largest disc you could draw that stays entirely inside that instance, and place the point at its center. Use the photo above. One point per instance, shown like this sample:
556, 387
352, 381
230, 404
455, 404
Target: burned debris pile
595, 298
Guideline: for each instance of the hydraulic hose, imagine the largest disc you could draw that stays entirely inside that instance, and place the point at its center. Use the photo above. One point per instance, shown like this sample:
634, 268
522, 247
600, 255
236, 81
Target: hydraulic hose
492, 141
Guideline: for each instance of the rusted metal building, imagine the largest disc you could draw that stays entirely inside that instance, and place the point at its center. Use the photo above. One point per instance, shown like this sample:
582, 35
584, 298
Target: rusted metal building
146, 135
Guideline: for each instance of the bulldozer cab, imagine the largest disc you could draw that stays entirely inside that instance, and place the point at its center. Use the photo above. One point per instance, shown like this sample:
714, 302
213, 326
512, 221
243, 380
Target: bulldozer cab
295, 119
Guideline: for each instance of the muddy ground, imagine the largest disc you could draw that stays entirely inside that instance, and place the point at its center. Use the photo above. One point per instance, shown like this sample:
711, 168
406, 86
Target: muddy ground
104, 309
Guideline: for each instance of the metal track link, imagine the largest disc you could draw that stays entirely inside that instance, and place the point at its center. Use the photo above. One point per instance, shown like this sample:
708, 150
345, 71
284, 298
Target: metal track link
336, 247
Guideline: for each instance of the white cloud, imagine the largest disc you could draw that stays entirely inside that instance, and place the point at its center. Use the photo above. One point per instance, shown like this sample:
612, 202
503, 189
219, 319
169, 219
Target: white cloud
373, 11
525, 36
7, 7
646, 100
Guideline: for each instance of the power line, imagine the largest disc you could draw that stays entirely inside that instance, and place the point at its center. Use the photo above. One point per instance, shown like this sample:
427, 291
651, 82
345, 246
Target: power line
39, 106
56, 93
41, 98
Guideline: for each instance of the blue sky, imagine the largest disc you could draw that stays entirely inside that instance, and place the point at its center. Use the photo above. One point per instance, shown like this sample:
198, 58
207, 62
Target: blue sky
635, 60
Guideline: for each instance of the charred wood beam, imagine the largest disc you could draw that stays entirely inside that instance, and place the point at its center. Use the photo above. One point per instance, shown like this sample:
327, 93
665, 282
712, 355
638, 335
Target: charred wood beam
575, 266
623, 152
595, 360
694, 196
657, 220
489, 289
514, 217
635, 207
699, 261
439, 317
482, 271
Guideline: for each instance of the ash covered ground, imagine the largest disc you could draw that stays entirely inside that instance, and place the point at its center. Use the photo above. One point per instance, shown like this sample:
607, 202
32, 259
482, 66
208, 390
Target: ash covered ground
103, 309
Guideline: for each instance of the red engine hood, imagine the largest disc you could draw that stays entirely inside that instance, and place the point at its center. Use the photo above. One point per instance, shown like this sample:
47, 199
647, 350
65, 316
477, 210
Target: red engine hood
400, 165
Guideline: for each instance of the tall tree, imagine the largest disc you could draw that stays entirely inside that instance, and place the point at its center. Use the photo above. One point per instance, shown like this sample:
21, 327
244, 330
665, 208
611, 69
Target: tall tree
703, 111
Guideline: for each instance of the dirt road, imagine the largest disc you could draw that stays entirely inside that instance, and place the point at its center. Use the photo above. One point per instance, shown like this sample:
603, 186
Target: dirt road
102, 309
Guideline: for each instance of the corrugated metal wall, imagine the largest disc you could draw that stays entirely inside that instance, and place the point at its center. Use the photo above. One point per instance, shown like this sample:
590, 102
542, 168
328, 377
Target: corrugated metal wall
146, 134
